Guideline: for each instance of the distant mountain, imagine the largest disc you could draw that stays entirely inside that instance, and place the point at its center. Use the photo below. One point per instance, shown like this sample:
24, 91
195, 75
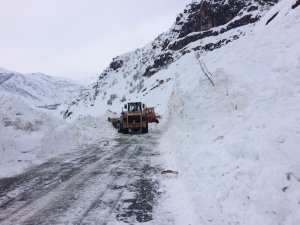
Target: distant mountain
203, 26
2, 70
38, 89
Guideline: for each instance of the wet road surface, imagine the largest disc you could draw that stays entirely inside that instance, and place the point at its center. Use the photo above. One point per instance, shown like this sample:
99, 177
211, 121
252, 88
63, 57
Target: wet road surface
112, 182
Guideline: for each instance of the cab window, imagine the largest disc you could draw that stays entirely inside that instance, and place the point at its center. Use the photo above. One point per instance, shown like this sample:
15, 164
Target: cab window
134, 107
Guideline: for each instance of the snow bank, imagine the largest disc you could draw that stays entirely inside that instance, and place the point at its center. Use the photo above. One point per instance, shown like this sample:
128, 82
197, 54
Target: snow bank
29, 137
235, 145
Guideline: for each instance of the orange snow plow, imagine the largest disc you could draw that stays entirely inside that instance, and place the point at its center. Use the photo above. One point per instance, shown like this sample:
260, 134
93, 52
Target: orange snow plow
136, 118
150, 115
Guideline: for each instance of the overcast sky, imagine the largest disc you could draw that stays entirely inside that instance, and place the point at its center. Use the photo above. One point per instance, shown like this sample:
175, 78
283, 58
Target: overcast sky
78, 38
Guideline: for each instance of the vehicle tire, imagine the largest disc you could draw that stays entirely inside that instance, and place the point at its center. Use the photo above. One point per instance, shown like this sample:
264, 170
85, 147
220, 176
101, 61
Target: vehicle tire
119, 127
145, 129
125, 130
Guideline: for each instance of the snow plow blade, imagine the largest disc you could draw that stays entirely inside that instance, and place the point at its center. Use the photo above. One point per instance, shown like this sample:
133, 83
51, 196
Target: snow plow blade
114, 121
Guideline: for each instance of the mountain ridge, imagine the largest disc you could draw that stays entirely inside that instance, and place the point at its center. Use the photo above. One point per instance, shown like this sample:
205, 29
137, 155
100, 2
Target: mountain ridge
38, 89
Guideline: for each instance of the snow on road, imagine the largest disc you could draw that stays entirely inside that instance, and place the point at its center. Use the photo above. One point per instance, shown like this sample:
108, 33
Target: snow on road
113, 182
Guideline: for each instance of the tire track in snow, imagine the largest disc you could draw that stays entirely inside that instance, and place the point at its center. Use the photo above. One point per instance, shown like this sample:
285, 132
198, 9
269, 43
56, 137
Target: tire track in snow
100, 185
33, 193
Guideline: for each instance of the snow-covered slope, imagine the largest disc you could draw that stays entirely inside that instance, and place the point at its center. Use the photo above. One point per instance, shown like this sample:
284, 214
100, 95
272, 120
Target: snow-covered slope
235, 144
202, 26
29, 133
38, 89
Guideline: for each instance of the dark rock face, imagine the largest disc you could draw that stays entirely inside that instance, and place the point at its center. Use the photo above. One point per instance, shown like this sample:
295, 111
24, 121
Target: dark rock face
163, 60
197, 21
206, 14
189, 39
297, 3
116, 64
240, 22
213, 46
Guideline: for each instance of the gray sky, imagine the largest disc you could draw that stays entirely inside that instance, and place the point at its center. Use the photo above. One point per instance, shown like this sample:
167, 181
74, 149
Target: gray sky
78, 38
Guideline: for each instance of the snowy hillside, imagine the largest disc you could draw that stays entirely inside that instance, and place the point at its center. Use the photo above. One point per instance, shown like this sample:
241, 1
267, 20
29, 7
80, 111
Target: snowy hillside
38, 89
29, 133
235, 144
202, 26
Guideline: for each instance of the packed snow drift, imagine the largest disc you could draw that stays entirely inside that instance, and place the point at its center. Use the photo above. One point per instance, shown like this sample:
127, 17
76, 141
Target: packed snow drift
29, 136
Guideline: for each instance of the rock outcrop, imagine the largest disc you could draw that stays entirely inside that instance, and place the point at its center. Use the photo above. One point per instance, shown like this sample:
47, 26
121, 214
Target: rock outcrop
198, 20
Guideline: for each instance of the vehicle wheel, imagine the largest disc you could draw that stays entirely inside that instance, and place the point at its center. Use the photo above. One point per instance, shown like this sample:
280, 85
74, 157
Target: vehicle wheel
125, 130
119, 127
145, 129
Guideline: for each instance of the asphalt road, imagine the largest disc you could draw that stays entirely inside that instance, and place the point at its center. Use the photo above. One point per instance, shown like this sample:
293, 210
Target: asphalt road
111, 182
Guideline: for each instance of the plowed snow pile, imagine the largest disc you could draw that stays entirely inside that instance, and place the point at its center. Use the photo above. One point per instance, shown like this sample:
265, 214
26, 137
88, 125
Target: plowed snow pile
29, 137
236, 145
